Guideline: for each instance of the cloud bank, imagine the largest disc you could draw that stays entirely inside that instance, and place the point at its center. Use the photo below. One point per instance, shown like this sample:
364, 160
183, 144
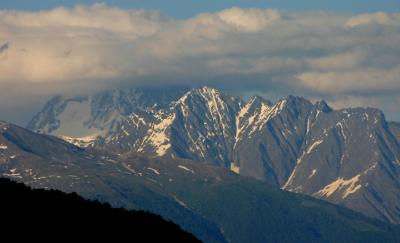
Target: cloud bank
342, 58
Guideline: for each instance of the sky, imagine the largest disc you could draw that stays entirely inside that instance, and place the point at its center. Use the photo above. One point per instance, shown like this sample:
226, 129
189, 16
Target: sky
347, 54
188, 8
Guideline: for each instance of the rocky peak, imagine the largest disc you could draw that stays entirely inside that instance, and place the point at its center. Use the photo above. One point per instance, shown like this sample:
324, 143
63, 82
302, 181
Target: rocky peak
323, 106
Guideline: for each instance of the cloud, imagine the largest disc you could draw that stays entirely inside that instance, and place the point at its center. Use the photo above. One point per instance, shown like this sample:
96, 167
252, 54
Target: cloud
380, 18
354, 101
341, 61
388, 103
249, 20
84, 20
315, 54
355, 81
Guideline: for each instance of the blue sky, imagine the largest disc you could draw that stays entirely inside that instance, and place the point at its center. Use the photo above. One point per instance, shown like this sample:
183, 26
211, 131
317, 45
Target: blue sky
186, 8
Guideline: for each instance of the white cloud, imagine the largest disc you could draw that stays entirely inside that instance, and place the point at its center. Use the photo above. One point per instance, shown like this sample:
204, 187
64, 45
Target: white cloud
83, 20
249, 20
303, 53
354, 101
354, 81
374, 18
341, 61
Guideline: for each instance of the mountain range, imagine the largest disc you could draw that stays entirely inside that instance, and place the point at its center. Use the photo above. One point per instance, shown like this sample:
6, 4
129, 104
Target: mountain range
349, 157
211, 202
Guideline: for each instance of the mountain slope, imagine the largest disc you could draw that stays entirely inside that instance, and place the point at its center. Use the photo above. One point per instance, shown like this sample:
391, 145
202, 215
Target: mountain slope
357, 163
43, 161
270, 138
213, 203
249, 211
55, 210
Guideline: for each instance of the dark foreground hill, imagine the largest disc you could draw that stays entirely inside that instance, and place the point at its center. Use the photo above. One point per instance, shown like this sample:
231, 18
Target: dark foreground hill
45, 213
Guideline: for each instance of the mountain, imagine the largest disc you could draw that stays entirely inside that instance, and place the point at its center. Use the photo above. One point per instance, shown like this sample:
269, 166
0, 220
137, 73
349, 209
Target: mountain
213, 203
349, 156
270, 137
54, 211
198, 126
81, 119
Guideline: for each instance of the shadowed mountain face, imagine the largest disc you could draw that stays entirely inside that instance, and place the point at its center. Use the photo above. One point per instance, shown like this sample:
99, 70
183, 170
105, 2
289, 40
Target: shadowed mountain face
350, 156
395, 129
70, 216
213, 203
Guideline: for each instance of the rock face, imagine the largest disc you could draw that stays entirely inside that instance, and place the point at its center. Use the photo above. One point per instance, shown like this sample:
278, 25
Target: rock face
349, 156
199, 126
395, 129
269, 138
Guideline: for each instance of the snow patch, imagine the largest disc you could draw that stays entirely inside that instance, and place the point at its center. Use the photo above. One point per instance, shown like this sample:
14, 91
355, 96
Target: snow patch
180, 202
264, 116
83, 142
312, 173
267, 113
13, 173
314, 145
342, 131
124, 131
371, 168
239, 117
158, 137
185, 168
215, 105
292, 175
154, 170
135, 120
345, 187
235, 168
308, 125
128, 167
258, 119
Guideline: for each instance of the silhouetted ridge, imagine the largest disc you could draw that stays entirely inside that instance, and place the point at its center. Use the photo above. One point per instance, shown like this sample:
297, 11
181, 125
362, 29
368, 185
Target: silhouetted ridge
52, 212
